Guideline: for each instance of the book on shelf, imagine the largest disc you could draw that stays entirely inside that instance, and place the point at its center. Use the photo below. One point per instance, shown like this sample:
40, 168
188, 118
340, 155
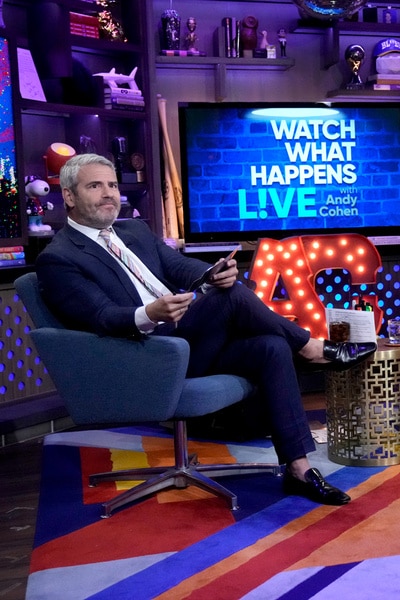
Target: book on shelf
11, 255
116, 92
84, 31
386, 86
228, 25
118, 106
129, 101
15, 262
121, 100
136, 101
123, 97
12, 249
385, 78
124, 106
84, 25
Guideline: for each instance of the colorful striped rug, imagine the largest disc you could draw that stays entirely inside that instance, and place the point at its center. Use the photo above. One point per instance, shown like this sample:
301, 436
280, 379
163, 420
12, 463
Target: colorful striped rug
188, 544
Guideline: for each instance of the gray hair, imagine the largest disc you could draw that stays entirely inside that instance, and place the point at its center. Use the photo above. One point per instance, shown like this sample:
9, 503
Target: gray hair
69, 172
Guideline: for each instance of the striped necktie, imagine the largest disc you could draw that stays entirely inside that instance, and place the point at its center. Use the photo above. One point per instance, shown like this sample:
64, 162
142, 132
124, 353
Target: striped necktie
128, 262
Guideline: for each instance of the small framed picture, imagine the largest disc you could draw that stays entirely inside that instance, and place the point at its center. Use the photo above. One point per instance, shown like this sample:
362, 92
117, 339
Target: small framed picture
389, 15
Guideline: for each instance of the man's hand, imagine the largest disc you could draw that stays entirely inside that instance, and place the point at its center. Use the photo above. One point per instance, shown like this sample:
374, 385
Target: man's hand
227, 277
169, 308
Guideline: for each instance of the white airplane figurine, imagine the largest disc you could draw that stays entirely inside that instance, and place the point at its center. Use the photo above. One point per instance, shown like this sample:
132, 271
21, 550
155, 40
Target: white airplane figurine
114, 79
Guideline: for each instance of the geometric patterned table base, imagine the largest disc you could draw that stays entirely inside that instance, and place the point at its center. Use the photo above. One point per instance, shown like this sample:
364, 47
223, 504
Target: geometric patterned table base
363, 411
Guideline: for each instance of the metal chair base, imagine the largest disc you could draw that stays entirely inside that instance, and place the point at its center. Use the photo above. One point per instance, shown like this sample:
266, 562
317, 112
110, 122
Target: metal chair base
186, 471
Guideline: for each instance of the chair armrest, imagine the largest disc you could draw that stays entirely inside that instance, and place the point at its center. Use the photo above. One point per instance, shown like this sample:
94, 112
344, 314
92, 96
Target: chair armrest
114, 380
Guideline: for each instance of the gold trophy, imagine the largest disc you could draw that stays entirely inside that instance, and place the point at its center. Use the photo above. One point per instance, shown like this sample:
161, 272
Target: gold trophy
354, 56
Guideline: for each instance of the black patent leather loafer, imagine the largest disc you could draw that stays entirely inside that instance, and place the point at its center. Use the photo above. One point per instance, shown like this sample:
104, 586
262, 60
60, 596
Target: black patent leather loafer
315, 488
345, 355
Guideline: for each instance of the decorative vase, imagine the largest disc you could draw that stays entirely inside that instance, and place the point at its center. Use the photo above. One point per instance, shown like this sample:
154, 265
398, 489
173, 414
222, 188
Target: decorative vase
171, 29
248, 34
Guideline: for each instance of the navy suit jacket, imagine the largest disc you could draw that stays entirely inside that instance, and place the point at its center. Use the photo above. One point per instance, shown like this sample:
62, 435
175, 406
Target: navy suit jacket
87, 289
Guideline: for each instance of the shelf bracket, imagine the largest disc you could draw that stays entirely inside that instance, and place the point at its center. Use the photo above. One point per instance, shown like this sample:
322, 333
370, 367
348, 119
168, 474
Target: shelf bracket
330, 50
220, 82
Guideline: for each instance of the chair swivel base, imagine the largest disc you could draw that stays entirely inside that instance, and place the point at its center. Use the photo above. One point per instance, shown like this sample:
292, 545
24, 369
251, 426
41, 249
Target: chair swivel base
161, 478
186, 471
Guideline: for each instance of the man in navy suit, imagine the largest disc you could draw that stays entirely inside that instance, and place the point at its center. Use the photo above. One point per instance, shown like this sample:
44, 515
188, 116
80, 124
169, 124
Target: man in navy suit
89, 287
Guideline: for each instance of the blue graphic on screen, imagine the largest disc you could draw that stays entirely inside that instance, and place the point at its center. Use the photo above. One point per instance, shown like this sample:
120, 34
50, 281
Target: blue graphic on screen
291, 169
10, 218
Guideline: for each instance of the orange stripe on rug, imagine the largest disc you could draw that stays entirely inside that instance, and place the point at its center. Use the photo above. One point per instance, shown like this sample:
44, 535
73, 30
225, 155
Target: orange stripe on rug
238, 574
156, 452
374, 537
160, 451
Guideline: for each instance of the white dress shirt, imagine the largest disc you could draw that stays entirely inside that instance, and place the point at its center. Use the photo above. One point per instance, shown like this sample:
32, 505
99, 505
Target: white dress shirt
142, 321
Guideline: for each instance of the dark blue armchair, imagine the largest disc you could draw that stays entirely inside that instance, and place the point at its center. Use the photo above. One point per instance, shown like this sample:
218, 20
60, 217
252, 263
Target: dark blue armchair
110, 381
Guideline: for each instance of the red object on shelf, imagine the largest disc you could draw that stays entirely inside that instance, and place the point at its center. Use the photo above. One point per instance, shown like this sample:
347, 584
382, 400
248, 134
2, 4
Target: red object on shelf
85, 25
56, 156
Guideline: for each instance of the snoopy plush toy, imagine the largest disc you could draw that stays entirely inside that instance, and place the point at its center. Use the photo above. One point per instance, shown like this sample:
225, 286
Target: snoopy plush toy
36, 188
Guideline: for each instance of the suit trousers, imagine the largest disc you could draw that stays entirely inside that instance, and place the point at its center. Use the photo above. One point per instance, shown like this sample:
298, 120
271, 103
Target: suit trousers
232, 331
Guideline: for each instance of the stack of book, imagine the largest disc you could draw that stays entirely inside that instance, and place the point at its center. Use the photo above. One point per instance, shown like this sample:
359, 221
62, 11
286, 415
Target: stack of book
123, 98
12, 256
227, 38
385, 81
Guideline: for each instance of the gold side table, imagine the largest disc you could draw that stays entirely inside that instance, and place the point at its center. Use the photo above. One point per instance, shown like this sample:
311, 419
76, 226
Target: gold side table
363, 411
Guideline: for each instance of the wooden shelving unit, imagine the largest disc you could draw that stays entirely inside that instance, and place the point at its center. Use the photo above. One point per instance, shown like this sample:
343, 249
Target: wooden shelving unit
221, 65
75, 105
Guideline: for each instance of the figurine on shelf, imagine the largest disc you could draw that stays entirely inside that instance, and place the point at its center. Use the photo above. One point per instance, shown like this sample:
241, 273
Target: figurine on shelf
117, 95
265, 49
282, 41
191, 36
113, 79
36, 188
354, 56
264, 40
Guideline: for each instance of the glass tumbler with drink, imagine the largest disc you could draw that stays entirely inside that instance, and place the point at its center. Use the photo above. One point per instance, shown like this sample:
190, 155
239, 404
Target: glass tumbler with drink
393, 330
339, 331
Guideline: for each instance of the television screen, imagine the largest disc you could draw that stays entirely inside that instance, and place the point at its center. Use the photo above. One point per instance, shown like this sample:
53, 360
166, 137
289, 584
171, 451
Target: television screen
276, 170
12, 202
